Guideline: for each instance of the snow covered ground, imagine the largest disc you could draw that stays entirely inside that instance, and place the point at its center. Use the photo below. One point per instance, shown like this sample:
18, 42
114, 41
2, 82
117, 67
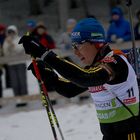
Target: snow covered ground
78, 122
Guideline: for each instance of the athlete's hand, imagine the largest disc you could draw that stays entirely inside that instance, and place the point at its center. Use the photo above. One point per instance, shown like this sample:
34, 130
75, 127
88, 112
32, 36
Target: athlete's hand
46, 72
32, 47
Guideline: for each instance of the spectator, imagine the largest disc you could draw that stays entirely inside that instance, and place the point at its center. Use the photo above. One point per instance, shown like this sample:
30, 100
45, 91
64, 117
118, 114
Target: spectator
0, 85
119, 29
17, 70
31, 24
40, 33
2, 37
64, 42
137, 27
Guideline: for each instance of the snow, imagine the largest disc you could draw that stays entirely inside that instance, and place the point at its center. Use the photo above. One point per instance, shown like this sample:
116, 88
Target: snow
78, 122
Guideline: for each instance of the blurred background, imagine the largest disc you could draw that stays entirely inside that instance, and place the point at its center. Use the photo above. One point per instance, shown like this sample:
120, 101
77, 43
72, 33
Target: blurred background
54, 13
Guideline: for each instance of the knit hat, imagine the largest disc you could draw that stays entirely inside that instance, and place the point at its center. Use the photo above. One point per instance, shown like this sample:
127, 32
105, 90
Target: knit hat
117, 11
88, 29
31, 23
12, 28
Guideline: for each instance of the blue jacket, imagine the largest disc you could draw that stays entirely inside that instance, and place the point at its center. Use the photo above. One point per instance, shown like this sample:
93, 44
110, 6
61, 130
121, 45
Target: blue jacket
121, 27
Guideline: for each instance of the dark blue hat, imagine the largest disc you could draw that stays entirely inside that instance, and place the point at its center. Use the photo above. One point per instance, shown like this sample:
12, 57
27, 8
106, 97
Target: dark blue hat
117, 11
31, 23
88, 29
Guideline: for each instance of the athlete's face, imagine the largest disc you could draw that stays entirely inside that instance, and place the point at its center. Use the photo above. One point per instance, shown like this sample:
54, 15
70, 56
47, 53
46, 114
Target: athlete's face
86, 52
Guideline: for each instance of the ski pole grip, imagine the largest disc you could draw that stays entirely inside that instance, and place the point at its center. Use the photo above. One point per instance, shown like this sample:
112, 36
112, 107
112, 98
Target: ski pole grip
128, 2
38, 76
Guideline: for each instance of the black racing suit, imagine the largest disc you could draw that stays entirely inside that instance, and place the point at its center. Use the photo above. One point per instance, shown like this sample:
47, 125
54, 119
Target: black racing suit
96, 74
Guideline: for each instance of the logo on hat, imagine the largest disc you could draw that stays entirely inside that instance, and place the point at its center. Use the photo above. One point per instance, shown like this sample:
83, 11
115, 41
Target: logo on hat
96, 35
76, 34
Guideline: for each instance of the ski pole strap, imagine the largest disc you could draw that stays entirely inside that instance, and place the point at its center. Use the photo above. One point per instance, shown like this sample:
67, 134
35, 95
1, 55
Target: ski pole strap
38, 76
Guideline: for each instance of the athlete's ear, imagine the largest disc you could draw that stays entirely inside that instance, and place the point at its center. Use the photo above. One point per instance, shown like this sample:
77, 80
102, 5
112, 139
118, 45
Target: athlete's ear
99, 45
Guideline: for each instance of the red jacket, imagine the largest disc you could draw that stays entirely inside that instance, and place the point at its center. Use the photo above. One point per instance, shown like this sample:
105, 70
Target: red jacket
47, 41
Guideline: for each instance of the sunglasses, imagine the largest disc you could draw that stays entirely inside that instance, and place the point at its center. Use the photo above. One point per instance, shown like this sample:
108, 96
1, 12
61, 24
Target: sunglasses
77, 46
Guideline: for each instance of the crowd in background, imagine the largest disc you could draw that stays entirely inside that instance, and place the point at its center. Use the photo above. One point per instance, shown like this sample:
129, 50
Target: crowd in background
15, 72
118, 31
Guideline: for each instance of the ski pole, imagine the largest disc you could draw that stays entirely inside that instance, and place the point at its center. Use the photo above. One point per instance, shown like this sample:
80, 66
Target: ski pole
47, 102
129, 3
41, 83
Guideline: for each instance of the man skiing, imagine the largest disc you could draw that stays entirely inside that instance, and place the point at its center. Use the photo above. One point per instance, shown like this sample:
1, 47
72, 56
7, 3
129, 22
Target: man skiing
108, 76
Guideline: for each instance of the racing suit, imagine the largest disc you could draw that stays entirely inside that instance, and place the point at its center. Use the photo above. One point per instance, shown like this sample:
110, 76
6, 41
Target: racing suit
112, 83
